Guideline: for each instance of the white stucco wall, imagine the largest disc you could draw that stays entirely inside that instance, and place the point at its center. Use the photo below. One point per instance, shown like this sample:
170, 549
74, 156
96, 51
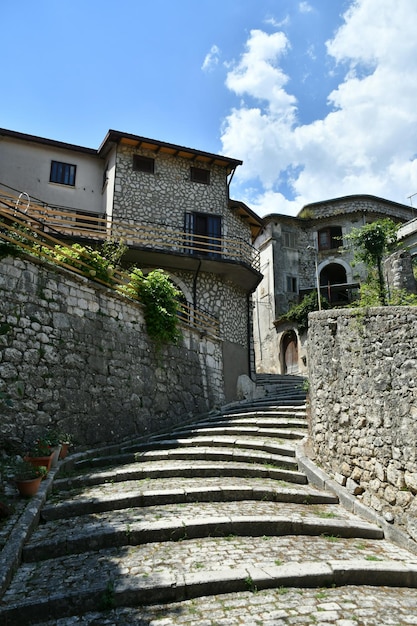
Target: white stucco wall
31, 162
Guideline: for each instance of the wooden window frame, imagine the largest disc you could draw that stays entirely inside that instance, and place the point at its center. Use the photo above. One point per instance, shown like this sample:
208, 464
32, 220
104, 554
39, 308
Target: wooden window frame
200, 175
143, 164
334, 236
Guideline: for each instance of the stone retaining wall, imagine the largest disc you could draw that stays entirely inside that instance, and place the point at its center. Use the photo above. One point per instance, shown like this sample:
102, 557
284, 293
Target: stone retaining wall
363, 392
76, 357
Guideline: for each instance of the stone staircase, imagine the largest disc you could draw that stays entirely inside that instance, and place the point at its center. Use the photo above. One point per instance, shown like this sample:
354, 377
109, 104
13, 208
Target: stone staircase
177, 528
281, 389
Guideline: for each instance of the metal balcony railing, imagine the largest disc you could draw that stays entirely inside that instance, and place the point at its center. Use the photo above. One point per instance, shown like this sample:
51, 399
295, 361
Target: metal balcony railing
342, 294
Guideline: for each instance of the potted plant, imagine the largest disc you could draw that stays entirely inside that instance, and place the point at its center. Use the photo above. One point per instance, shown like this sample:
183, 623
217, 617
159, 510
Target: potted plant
40, 454
28, 477
52, 439
66, 441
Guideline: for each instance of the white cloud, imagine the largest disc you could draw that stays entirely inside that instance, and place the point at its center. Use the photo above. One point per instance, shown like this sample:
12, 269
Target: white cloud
305, 7
365, 143
259, 75
272, 21
211, 59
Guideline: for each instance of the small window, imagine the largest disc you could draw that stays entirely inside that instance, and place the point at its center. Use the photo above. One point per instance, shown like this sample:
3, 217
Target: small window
291, 284
62, 173
143, 164
289, 240
105, 175
199, 175
330, 238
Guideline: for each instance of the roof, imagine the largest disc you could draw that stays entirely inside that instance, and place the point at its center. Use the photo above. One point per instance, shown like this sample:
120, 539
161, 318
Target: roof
115, 136
251, 218
312, 211
46, 142
353, 198
154, 145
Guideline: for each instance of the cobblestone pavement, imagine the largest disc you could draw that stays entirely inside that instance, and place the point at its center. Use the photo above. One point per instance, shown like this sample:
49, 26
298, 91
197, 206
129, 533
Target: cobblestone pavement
344, 606
167, 539
158, 559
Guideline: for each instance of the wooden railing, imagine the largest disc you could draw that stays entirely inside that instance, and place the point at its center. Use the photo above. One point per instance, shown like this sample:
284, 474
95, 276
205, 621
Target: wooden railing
70, 223
27, 233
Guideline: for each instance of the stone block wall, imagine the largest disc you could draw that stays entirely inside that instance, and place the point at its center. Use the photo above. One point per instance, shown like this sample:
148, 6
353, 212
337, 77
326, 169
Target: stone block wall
363, 392
363, 204
162, 198
76, 357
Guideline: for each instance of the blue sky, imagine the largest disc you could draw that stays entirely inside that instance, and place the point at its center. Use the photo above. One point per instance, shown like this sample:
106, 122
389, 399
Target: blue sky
317, 97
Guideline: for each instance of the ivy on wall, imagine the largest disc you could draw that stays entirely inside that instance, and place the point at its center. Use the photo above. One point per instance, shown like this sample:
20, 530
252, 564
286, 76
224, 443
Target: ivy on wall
157, 294
160, 299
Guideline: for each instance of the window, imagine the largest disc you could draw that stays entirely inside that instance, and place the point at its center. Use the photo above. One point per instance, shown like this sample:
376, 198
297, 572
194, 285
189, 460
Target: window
143, 164
330, 238
205, 230
291, 284
62, 173
199, 175
289, 240
105, 176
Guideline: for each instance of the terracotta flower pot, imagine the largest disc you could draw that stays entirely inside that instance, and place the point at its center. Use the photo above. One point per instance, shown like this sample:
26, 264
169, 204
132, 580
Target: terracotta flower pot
29, 487
45, 461
64, 450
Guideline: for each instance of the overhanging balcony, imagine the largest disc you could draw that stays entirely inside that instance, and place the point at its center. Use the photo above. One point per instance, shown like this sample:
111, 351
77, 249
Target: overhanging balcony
150, 245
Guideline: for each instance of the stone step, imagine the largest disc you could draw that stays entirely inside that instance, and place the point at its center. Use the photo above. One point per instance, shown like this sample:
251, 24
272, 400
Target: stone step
174, 468
274, 606
210, 508
278, 412
206, 438
178, 522
161, 573
290, 403
196, 453
229, 431
253, 422
116, 496
262, 408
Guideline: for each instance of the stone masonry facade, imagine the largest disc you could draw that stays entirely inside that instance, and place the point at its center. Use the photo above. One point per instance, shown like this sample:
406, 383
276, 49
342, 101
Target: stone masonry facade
162, 198
367, 205
363, 393
76, 357
147, 199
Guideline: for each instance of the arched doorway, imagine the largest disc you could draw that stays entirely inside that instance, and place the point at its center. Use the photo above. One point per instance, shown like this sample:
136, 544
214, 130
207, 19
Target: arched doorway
289, 353
333, 276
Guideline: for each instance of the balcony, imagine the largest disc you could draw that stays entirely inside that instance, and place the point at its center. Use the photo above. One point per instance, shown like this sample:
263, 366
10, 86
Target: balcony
150, 245
28, 235
336, 295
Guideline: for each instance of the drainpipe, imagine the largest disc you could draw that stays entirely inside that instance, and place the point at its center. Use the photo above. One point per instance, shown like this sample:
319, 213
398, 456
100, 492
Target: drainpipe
251, 346
231, 178
196, 273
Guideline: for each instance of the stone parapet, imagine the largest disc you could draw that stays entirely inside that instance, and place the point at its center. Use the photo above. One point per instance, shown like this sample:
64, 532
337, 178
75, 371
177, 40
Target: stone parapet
76, 357
363, 393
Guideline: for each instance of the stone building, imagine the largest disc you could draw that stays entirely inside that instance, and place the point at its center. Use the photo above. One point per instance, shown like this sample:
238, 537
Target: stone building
297, 255
170, 204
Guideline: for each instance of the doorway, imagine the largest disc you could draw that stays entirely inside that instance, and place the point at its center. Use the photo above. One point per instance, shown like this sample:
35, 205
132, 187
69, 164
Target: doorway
290, 353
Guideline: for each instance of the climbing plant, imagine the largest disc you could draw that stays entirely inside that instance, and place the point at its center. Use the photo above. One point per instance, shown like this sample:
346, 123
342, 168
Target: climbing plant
298, 313
160, 299
371, 243
90, 262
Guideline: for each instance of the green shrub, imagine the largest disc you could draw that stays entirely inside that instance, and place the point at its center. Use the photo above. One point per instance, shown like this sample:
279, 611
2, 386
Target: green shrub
160, 299
299, 312
85, 259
